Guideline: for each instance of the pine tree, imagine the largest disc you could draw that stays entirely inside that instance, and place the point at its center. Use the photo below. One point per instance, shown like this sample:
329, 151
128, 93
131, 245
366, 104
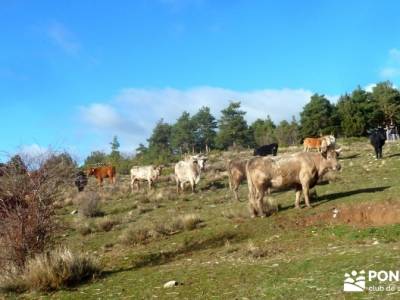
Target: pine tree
233, 129
205, 125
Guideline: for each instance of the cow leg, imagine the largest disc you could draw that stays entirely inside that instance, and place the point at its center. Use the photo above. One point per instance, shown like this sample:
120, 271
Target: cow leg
182, 186
258, 203
150, 182
298, 197
235, 191
132, 183
252, 207
380, 152
376, 152
306, 193
177, 186
193, 184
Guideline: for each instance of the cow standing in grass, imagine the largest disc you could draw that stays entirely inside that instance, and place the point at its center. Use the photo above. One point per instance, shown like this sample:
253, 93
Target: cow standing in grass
103, 172
81, 181
189, 170
271, 149
378, 139
237, 174
148, 173
299, 171
321, 143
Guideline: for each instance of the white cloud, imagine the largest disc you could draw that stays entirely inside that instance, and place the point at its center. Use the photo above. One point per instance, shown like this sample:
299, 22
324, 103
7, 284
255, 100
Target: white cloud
392, 67
133, 112
63, 38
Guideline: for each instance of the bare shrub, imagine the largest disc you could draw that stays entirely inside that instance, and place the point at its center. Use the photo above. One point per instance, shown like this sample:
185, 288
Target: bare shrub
85, 228
135, 236
106, 224
51, 271
190, 221
89, 204
255, 251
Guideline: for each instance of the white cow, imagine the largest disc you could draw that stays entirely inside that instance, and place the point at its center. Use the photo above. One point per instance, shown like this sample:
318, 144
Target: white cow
149, 173
189, 170
330, 141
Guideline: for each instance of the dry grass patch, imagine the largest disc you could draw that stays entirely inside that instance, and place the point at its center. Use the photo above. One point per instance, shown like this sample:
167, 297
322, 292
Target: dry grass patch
106, 224
89, 203
239, 213
85, 228
189, 221
255, 251
135, 236
51, 271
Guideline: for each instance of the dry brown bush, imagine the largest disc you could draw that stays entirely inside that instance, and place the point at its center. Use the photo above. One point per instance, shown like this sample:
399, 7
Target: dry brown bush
51, 271
89, 203
134, 236
26, 205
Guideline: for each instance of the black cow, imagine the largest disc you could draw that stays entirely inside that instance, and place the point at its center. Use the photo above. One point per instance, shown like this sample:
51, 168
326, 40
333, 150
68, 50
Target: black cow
377, 139
81, 180
266, 150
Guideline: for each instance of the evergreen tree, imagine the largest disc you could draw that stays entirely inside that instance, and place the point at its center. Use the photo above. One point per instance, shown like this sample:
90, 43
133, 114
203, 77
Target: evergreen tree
205, 125
115, 156
263, 131
182, 134
159, 150
388, 100
352, 119
233, 129
316, 117
96, 158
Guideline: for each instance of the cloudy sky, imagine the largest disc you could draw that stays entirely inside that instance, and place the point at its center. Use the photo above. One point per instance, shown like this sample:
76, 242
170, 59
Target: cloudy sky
75, 73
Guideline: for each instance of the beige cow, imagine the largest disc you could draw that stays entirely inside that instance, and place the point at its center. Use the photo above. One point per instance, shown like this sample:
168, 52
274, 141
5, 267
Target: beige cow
299, 171
237, 174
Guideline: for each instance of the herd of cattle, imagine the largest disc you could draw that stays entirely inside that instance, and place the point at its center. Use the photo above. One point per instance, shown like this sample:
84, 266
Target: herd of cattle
265, 172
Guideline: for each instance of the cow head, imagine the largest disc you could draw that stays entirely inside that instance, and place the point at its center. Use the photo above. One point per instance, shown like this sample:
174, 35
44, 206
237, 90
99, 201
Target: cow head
200, 160
90, 171
331, 159
159, 169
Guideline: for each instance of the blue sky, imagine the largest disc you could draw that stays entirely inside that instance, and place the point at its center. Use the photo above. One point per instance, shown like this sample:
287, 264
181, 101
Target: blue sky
75, 73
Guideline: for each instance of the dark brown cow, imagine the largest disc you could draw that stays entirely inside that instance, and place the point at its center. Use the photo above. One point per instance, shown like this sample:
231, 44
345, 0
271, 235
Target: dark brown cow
103, 172
299, 171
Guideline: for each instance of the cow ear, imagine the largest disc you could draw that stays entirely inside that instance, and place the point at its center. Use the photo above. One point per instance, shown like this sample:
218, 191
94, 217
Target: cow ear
338, 151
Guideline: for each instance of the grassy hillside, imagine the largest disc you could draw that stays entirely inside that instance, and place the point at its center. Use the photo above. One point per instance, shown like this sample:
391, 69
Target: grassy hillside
207, 242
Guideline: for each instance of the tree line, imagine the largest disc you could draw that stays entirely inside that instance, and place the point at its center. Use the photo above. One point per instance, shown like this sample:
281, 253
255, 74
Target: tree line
353, 115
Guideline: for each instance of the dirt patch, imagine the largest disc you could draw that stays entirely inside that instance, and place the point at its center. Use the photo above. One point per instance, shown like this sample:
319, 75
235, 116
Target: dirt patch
359, 215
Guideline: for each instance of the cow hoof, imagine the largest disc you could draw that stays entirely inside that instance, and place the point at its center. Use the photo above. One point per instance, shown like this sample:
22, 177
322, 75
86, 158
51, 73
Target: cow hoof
297, 207
308, 206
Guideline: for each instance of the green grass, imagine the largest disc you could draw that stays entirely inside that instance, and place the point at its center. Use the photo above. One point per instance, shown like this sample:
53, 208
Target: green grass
212, 261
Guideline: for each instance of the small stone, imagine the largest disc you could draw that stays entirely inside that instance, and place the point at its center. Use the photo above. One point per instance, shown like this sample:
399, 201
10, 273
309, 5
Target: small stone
171, 283
74, 212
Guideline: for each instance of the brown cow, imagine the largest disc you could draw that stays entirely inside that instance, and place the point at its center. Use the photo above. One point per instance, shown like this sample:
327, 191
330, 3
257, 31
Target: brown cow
321, 144
300, 171
237, 173
103, 172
